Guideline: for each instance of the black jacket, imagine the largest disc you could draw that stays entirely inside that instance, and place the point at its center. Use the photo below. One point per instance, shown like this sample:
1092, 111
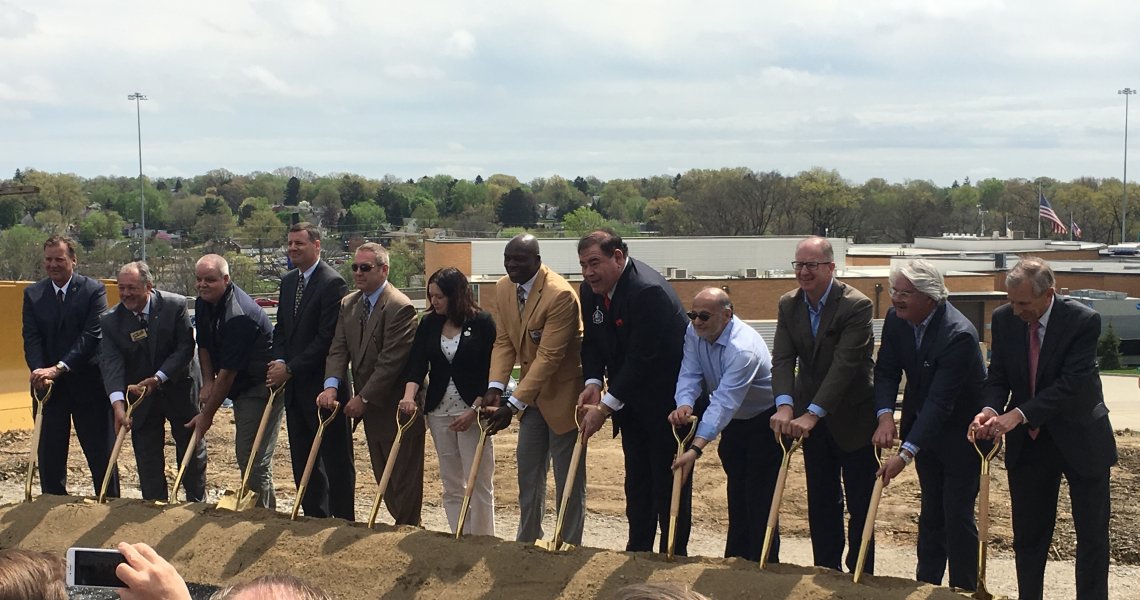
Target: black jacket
469, 368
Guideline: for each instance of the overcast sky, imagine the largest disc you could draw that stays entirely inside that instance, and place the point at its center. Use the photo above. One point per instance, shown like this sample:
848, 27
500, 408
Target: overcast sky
909, 89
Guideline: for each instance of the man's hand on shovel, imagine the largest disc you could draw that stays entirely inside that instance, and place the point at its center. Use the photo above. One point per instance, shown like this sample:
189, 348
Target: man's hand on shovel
591, 412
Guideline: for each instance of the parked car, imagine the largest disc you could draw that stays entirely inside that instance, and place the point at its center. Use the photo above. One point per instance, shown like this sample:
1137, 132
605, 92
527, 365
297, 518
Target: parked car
265, 301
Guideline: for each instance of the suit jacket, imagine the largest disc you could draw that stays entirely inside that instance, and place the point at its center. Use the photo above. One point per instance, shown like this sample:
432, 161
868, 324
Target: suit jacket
68, 333
167, 347
943, 377
379, 351
834, 367
546, 342
1069, 401
637, 344
303, 343
468, 368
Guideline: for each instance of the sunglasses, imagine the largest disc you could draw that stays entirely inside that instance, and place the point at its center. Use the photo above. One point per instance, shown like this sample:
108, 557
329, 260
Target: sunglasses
703, 316
362, 267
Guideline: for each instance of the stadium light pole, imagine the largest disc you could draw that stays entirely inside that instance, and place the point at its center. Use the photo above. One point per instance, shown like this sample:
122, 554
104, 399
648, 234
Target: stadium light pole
1126, 92
138, 97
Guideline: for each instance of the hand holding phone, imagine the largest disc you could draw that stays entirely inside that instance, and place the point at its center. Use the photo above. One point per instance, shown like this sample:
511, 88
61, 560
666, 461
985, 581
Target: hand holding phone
148, 575
94, 567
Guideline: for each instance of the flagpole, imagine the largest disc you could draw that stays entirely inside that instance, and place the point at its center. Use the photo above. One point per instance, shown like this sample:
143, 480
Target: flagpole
1038, 212
1071, 225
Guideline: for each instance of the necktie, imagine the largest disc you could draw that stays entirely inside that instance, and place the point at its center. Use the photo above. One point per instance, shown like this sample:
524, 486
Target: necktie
364, 316
521, 294
300, 292
918, 331
59, 296
142, 319
606, 301
1034, 355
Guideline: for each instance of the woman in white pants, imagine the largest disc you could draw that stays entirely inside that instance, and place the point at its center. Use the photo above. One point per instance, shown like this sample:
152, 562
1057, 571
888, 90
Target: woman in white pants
453, 350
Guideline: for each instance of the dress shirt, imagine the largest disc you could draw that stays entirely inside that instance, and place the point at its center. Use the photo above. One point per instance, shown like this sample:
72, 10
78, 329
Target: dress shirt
919, 332
1042, 323
814, 313
498, 385
334, 382
118, 395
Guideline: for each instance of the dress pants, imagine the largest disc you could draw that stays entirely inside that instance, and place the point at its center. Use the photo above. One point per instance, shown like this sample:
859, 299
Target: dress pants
405, 494
538, 447
248, 408
1033, 487
825, 465
95, 428
947, 531
456, 452
751, 459
331, 491
649, 451
148, 437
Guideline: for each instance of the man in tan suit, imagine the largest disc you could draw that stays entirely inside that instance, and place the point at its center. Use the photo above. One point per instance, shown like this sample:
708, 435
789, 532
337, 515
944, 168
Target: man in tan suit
539, 326
375, 329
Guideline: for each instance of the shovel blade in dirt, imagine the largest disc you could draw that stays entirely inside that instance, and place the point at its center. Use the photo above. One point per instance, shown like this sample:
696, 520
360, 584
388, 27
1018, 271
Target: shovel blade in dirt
231, 501
556, 544
246, 498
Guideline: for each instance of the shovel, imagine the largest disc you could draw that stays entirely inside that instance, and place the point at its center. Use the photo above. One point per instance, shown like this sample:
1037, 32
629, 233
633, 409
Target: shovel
678, 483
186, 456
122, 435
38, 403
778, 495
869, 524
245, 498
400, 428
556, 544
312, 458
474, 473
984, 515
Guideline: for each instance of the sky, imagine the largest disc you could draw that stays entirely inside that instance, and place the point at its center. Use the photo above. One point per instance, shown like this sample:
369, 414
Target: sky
907, 89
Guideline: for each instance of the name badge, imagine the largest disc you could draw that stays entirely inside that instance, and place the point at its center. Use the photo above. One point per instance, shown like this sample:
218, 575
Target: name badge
138, 336
599, 316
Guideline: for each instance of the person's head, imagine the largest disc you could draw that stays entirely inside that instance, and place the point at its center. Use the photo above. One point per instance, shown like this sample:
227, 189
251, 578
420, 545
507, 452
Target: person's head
712, 310
59, 258
1030, 285
304, 245
212, 277
917, 288
30, 575
814, 266
272, 587
521, 258
666, 590
602, 255
451, 296
135, 285
370, 267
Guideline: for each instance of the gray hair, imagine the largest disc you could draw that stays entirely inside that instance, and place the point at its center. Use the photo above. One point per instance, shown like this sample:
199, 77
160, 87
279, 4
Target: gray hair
1033, 269
277, 585
141, 268
215, 261
380, 252
821, 243
927, 279
718, 294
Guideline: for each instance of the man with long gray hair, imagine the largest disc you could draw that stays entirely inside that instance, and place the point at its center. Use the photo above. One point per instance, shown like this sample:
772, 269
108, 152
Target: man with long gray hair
937, 347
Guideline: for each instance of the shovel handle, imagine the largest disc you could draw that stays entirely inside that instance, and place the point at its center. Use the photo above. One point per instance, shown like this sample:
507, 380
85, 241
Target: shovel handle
312, 460
186, 456
869, 524
571, 476
390, 463
38, 403
778, 495
265, 414
471, 477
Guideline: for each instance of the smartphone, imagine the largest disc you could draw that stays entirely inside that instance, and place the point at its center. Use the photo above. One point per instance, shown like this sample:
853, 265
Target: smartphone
94, 567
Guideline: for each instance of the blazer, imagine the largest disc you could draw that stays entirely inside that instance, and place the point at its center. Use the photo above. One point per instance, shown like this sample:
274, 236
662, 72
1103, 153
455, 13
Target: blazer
377, 350
1069, 400
68, 333
636, 345
303, 343
545, 341
167, 347
943, 377
831, 369
468, 368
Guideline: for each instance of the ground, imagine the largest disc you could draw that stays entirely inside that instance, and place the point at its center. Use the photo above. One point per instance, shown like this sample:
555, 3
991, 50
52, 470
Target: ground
215, 547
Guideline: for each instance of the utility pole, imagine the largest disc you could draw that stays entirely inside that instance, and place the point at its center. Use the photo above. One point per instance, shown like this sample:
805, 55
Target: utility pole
138, 97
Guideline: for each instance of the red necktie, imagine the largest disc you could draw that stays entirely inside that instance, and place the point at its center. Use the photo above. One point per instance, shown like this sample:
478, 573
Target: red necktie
606, 301
1034, 354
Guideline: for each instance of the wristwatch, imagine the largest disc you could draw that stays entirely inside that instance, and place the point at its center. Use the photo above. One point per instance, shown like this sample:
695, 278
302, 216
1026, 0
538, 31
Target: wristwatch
62, 367
906, 456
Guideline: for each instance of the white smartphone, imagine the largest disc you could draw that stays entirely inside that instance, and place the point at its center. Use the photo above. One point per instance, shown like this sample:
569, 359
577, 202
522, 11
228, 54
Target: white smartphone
94, 567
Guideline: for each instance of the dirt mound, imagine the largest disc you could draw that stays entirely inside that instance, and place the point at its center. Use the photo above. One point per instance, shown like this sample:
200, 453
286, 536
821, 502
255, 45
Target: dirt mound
350, 561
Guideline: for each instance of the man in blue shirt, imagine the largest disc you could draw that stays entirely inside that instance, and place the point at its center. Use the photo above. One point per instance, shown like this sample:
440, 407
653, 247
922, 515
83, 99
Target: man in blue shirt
732, 361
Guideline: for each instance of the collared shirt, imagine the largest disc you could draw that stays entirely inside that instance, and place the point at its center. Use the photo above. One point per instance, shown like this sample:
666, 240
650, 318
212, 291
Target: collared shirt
919, 332
1042, 322
308, 276
63, 289
814, 313
737, 368
334, 382
118, 395
238, 336
502, 387
608, 399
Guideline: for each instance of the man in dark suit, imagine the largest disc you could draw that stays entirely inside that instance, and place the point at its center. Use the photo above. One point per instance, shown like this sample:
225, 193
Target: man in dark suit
374, 335
148, 340
824, 327
937, 347
634, 338
1043, 375
61, 340
306, 320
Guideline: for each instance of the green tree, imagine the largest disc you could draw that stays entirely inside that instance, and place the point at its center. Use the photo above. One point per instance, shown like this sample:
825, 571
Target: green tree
364, 217
21, 253
584, 220
327, 206
101, 225
264, 231
621, 201
292, 192
668, 216
11, 210
405, 261
1108, 350
61, 193
517, 208
184, 212
425, 214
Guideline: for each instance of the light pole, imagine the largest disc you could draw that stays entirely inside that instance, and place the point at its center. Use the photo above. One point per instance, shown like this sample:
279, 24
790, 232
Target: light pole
1124, 203
137, 97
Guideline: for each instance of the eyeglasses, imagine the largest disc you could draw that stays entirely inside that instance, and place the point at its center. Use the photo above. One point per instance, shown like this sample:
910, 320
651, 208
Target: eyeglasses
902, 294
362, 267
703, 316
810, 266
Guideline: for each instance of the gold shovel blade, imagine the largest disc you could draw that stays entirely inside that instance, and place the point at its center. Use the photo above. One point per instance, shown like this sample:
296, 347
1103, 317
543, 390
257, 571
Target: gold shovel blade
231, 501
552, 546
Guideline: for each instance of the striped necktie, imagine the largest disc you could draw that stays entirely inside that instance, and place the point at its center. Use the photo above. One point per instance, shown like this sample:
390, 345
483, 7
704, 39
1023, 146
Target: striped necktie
300, 292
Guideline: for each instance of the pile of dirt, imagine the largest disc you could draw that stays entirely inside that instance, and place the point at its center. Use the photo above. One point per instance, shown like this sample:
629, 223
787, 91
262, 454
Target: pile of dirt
351, 561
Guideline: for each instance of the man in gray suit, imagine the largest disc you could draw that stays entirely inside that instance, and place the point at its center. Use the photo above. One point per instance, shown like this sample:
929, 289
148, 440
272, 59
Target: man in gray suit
148, 344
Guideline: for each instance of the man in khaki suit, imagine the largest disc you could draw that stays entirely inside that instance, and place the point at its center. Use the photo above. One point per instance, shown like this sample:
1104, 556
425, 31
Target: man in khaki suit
375, 329
539, 326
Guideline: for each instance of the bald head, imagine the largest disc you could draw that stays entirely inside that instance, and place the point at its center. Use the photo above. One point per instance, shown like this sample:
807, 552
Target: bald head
712, 311
521, 258
712, 294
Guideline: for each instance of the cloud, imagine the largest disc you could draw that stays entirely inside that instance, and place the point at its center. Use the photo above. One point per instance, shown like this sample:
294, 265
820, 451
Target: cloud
460, 44
413, 72
15, 22
272, 83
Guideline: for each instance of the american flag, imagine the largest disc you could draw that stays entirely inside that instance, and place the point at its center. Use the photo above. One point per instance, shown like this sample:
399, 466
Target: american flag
1076, 229
1045, 211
